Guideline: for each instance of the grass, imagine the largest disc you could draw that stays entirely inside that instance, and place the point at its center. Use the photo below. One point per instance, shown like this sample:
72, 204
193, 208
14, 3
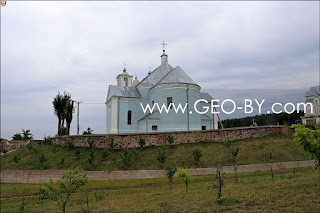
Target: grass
252, 151
255, 192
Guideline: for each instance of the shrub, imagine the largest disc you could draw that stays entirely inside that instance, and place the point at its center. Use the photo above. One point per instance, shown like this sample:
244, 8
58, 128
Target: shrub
111, 143
4, 151
105, 154
142, 142
91, 144
226, 200
29, 147
88, 132
47, 140
185, 176
162, 153
70, 144
16, 159
91, 158
62, 161
77, 153
170, 138
170, 171
126, 158
98, 196
65, 187
42, 159
196, 155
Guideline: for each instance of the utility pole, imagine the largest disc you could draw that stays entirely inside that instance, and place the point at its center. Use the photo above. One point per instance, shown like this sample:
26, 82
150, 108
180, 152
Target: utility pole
78, 102
188, 105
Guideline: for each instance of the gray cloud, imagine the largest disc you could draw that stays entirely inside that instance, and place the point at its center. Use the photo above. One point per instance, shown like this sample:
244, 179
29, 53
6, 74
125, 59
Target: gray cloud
80, 47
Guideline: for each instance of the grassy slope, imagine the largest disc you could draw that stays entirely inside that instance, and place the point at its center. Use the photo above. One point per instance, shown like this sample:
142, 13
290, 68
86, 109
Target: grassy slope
255, 192
253, 150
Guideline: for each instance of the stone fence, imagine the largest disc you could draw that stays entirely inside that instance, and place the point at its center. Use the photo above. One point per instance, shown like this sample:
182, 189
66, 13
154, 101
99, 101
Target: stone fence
17, 144
131, 140
39, 176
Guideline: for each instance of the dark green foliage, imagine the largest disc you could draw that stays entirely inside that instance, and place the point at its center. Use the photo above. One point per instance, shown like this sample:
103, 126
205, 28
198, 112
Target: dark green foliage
142, 142
162, 153
29, 147
111, 143
46, 140
70, 144
234, 153
17, 137
16, 159
42, 159
264, 119
126, 158
77, 153
105, 154
309, 139
4, 151
26, 135
61, 191
196, 155
98, 196
170, 171
170, 138
88, 132
62, 161
91, 158
91, 144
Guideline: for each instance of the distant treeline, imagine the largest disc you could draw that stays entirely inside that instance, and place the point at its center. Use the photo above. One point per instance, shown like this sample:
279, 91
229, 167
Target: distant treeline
264, 119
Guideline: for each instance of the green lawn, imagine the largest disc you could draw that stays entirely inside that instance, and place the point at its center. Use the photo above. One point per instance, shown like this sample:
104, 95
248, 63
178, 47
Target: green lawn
255, 192
252, 151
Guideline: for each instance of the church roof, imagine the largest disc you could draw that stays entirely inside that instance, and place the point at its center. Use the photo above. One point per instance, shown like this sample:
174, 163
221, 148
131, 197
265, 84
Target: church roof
313, 90
205, 96
177, 75
123, 91
157, 74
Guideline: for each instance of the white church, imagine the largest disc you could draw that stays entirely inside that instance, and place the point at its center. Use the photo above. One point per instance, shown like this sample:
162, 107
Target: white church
164, 85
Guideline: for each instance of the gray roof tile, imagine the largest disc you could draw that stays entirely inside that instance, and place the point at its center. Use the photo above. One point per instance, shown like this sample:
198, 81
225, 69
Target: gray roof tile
123, 91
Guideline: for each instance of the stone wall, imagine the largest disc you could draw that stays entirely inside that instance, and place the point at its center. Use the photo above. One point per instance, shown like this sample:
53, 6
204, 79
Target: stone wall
13, 145
131, 140
39, 176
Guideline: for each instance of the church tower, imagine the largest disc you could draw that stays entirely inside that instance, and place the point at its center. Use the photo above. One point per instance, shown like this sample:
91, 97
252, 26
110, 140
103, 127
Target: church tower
124, 79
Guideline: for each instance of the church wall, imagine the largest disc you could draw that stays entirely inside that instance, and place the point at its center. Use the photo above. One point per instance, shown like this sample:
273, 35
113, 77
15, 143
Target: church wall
173, 121
137, 113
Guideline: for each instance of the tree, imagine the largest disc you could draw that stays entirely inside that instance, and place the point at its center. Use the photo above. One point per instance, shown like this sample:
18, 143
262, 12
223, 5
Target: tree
142, 142
61, 192
196, 155
17, 137
68, 111
309, 139
170, 139
170, 171
185, 176
63, 109
162, 153
26, 135
126, 158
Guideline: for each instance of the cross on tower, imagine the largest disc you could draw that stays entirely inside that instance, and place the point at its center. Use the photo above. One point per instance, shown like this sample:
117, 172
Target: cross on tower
124, 64
149, 69
164, 44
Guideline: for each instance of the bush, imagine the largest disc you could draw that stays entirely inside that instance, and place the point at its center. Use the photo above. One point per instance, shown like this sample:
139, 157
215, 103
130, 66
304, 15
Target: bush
4, 151
88, 132
170, 138
42, 159
62, 161
47, 140
77, 153
29, 147
70, 144
105, 154
111, 143
226, 200
91, 144
196, 155
162, 153
126, 158
16, 159
142, 142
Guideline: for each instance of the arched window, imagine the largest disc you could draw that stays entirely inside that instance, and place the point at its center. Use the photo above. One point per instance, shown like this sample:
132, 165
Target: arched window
129, 117
125, 81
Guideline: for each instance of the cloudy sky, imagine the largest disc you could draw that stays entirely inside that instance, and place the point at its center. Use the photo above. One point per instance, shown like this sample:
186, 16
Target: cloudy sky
80, 47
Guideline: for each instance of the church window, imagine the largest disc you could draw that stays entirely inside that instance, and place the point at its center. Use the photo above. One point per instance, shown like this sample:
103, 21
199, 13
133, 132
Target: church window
154, 127
169, 100
152, 103
129, 117
125, 81
204, 127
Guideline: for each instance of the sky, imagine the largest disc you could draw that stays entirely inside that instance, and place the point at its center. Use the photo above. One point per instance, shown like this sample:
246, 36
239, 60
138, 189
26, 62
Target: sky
80, 47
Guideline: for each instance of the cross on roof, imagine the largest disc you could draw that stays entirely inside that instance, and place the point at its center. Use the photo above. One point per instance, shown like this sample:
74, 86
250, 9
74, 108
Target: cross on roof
164, 44
124, 64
